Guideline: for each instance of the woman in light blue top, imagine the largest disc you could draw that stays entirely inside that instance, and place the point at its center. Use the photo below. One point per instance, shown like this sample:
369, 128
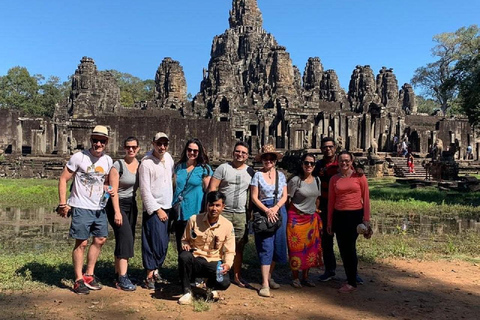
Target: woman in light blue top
192, 176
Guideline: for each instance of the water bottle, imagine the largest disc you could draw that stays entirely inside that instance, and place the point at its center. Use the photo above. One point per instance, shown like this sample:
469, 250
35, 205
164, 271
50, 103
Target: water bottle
105, 197
219, 271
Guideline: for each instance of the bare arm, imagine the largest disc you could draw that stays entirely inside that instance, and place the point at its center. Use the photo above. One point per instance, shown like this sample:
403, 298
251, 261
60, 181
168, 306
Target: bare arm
213, 184
114, 180
66, 175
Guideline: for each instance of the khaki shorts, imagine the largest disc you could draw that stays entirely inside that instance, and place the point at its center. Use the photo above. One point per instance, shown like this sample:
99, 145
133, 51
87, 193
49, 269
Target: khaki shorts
239, 221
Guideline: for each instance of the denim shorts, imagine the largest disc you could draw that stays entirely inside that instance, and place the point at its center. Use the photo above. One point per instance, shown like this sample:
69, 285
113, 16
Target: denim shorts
87, 223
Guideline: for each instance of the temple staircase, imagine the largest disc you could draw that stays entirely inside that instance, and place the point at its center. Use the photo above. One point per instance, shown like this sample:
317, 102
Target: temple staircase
402, 171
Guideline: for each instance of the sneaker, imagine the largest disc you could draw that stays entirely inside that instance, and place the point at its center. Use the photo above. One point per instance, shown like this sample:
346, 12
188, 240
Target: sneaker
92, 282
296, 283
273, 284
359, 280
125, 284
185, 299
212, 295
80, 288
346, 288
158, 278
308, 283
327, 276
149, 284
264, 292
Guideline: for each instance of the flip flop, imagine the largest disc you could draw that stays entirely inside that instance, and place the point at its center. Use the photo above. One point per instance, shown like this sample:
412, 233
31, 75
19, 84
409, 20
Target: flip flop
240, 283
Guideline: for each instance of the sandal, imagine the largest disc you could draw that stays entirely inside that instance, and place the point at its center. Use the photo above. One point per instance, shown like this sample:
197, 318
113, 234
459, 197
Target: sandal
240, 283
347, 289
273, 284
296, 283
264, 292
308, 283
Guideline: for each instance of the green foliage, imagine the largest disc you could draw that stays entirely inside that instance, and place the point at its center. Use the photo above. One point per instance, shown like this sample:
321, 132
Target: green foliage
133, 89
435, 77
30, 94
468, 81
19, 91
426, 105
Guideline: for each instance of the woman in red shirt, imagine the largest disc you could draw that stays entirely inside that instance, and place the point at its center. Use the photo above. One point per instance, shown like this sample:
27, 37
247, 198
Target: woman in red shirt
348, 206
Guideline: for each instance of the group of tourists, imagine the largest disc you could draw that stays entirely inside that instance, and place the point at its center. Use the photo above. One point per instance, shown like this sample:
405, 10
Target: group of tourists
210, 211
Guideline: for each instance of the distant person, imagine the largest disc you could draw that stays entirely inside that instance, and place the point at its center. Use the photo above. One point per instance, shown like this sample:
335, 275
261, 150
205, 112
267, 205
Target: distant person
156, 189
410, 162
469, 155
208, 241
404, 147
269, 194
348, 206
192, 177
122, 211
304, 223
90, 170
233, 180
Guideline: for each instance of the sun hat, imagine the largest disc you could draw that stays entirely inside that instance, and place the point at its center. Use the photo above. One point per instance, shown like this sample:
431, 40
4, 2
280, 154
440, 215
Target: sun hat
100, 131
160, 135
268, 149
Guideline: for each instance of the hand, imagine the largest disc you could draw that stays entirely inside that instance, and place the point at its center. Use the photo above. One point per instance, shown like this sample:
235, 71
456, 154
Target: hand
162, 215
63, 210
186, 247
366, 223
360, 172
110, 190
117, 219
329, 230
225, 267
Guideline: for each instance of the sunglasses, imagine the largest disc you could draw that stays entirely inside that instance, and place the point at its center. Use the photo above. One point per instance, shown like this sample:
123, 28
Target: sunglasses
344, 161
308, 163
165, 144
192, 150
269, 159
130, 147
102, 141
328, 147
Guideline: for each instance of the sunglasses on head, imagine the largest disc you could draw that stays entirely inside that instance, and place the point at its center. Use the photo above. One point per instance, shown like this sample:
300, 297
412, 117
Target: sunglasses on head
102, 141
309, 163
192, 150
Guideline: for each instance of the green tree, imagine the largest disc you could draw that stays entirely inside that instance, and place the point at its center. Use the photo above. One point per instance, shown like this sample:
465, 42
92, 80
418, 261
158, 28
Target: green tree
467, 78
426, 105
435, 77
19, 91
133, 89
51, 93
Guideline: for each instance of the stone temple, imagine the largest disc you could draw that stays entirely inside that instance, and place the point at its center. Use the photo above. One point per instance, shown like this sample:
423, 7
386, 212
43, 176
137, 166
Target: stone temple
250, 91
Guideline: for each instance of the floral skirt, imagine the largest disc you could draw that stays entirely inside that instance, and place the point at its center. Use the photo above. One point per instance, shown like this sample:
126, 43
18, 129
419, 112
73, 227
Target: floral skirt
303, 238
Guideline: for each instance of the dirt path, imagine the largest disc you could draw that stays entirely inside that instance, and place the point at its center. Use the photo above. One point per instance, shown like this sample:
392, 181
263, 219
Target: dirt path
393, 289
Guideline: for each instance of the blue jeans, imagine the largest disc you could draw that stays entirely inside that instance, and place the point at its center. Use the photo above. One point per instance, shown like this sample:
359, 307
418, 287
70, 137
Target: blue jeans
273, 247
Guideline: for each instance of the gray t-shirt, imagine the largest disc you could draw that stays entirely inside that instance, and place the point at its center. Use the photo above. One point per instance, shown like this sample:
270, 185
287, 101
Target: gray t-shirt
234, 185
303, 195
128, 183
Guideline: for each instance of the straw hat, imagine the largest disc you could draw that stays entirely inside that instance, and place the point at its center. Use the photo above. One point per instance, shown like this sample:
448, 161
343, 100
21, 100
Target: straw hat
268, 149
100, 131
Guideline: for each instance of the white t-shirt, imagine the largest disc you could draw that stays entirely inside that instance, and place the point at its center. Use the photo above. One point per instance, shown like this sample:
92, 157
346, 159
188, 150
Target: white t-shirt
89, 178
156, 186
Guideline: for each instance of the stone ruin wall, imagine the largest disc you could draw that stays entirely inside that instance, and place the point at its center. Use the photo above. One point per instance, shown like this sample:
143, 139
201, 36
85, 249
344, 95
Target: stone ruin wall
250, 91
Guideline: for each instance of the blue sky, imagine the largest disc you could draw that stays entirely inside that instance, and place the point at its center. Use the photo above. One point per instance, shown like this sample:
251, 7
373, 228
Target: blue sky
50, 37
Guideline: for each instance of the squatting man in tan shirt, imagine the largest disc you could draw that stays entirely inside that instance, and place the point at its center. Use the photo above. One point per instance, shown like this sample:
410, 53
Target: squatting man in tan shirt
208, 238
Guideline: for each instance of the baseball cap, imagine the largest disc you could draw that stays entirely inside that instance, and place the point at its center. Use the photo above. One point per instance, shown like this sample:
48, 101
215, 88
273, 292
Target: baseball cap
160, 135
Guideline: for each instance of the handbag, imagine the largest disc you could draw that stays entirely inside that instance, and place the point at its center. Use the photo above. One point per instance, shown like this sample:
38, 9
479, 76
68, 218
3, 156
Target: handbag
176, 210
261, 224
